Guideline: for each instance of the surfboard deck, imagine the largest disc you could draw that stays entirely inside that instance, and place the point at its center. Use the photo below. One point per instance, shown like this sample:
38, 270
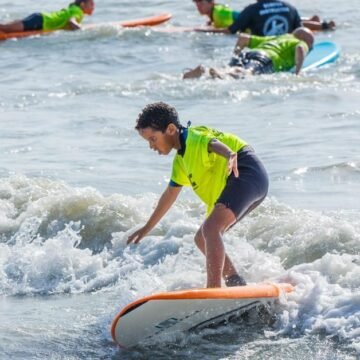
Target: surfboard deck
148, 21
323, 53
181, 311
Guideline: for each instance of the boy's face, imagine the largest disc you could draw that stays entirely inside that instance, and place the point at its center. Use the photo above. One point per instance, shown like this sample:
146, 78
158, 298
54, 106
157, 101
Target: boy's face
88, 7
162, 142
204, 7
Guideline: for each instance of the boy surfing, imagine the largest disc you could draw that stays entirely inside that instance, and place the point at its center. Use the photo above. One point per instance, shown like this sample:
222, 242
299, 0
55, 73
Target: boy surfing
222, 169
65, 19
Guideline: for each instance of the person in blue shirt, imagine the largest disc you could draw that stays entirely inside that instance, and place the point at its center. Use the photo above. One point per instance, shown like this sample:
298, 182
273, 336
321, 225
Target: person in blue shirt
263, 18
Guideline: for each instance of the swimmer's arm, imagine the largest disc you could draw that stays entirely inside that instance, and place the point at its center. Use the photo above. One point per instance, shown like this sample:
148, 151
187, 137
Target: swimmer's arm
223, 150
300, 53
166, 200
213, 30
243, 42
73, 24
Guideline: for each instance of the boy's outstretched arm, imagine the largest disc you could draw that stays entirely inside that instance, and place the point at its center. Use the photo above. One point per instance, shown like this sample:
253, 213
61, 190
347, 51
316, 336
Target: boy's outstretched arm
242, 42
166, 200
211, 29
223, 150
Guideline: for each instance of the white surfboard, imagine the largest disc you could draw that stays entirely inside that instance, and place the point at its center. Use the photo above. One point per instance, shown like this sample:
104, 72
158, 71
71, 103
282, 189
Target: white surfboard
323, 53
180, 311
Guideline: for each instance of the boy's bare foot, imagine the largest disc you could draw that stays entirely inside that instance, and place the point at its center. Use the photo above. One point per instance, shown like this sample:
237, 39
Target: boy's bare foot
235, 280
315, 18
328, 25
194, 73
215, 74
331, 24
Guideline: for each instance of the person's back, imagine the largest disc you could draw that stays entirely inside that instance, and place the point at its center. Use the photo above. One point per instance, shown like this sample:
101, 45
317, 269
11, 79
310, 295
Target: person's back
59, 19
280, 49
223, 16
267, 18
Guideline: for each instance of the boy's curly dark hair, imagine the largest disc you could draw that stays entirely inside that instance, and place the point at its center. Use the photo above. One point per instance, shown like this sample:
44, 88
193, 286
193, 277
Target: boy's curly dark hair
78, 2
157, 116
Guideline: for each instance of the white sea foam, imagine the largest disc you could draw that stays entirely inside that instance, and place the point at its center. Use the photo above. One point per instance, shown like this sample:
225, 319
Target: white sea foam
60, 239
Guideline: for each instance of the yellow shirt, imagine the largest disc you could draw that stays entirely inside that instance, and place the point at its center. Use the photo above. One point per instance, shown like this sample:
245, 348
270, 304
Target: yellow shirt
205, 172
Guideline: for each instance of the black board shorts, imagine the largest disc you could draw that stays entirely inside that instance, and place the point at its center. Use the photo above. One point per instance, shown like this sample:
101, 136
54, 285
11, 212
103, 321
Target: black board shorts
244, 193
255, 61
33, 22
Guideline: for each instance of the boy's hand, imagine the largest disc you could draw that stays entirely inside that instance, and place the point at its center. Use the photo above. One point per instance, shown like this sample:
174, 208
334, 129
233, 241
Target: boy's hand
73, 25
137, 236
232, 164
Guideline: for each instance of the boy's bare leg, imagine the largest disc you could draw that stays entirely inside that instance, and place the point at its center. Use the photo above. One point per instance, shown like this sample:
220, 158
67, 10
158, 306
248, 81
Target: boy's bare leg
238, 72
229, 269
194, 73
213, 228
318, 26
235, 72
15, 26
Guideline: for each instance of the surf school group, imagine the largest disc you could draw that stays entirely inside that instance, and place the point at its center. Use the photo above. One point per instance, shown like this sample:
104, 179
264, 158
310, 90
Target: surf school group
222, 169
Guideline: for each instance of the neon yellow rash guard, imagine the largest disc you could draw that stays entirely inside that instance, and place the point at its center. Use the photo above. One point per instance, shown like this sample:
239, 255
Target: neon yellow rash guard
205, 172
59, 19
280, 49
222, 16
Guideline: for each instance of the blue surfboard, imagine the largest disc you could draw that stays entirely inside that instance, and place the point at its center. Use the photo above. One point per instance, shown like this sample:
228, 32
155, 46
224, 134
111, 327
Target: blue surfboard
323, 53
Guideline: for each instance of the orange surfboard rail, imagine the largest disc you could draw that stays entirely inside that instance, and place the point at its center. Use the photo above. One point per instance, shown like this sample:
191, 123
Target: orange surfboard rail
152, 21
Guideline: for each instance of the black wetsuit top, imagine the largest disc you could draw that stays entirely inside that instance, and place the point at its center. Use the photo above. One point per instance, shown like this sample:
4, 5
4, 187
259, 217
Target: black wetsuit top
267, 18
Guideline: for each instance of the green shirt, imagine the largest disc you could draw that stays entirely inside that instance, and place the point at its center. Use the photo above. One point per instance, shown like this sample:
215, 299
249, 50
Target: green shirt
60, 19
280, 49
222, 16
205, 172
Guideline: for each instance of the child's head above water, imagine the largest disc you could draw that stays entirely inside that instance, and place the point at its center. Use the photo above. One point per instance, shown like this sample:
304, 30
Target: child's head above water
87, 6
205, 7
157, 116
159, 125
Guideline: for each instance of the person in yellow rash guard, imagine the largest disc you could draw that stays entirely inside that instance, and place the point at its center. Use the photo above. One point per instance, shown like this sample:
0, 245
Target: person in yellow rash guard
267, 54
220, 16
222, 169
66, 19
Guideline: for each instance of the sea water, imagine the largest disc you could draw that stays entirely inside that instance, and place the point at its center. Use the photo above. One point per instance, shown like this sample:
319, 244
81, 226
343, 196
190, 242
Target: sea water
76, 180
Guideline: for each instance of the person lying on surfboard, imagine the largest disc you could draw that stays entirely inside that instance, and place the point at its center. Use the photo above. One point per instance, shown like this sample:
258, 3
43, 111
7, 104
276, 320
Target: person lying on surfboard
268, 54
226, 20
67, 19
223, 171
